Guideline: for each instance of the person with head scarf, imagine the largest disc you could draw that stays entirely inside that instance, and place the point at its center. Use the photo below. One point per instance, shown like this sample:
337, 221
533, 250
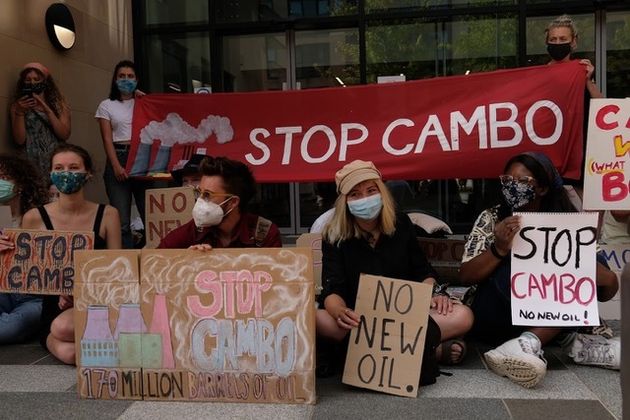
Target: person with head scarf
530, 183
367, 235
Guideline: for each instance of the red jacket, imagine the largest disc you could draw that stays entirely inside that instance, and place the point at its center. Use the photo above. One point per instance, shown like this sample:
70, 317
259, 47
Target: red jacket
188, 234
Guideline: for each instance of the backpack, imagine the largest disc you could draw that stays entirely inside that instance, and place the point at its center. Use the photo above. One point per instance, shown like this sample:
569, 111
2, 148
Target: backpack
430, 369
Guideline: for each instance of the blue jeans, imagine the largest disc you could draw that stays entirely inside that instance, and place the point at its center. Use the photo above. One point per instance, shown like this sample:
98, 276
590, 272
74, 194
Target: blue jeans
19, 317
120, 194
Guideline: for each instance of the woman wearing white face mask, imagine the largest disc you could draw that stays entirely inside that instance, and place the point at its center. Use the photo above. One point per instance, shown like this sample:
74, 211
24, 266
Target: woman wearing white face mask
366, 235
220, 217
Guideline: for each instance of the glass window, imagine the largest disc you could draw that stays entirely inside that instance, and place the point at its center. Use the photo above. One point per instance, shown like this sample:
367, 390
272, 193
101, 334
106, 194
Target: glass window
266, 10
178, 63
176, 11
381, 5
327, 58
481, 44
536, 45
408, 49
254, 62
618, 54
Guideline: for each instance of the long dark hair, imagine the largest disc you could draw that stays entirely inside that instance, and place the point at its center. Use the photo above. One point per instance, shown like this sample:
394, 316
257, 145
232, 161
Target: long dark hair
546, 175
53, 97
28, 184
114, 92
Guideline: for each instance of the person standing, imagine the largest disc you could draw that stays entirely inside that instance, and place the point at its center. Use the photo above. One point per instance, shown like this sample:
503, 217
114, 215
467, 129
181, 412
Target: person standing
40, 116
114, 116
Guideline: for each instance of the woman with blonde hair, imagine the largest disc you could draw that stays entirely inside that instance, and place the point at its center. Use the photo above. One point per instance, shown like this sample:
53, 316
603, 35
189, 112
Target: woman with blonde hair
367, 235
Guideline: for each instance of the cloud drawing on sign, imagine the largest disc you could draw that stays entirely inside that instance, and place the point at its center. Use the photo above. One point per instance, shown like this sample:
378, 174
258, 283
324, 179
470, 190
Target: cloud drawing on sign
174, 130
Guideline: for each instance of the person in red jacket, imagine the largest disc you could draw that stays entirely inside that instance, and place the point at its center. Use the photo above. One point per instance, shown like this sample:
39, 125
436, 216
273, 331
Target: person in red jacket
220, 217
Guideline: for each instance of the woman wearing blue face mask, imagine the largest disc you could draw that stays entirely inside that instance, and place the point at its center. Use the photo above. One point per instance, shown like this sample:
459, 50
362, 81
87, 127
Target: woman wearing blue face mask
20, 189
71, 168
114, 116
530, 183
367, 235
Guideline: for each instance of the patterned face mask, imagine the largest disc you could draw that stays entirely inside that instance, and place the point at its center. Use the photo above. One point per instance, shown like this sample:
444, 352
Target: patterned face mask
126, 85
68, 182
517, 194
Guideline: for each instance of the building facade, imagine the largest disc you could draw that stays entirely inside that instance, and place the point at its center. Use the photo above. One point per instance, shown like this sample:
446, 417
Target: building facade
254, 45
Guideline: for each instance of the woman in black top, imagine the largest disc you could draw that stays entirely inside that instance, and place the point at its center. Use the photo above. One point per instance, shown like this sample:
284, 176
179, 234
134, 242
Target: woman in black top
366, 235
71, 167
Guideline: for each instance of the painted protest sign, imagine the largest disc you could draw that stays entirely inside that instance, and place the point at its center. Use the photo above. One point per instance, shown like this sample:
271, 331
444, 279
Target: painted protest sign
232, 325
42, 261
553, 270
445, 256
314, 242
617, 256
166, 210
385, 350
607, 173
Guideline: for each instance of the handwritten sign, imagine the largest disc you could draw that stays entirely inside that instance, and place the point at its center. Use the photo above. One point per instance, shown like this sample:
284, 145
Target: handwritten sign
553, 270
385, 350
617, 256
232, 325
42, 261
314, 242
445, 256
166, 210
607, 171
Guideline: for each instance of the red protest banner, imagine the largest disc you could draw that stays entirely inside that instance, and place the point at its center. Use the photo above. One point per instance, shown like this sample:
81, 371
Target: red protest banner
419, 129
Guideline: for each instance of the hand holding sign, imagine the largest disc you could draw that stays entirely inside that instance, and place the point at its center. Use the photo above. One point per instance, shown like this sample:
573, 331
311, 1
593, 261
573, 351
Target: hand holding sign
504, 233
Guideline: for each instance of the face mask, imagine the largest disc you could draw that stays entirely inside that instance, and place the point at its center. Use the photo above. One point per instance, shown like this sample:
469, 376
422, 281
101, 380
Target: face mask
7, 191
126, 85
206, 213
559, 51
366, 208
68, 182
517, 194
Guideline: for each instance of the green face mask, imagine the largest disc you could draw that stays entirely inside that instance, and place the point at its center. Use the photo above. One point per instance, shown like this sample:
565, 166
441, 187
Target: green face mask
7, 191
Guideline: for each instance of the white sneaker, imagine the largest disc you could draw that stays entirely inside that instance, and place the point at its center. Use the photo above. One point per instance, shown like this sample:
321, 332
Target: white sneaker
520, 359
595, 350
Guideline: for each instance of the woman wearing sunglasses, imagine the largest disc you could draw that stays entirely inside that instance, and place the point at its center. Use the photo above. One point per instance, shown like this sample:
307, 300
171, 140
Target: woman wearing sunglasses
530, 183
220, 217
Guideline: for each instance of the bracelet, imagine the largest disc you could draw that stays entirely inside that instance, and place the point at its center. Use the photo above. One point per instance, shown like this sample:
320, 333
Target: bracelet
440, 289
496, 253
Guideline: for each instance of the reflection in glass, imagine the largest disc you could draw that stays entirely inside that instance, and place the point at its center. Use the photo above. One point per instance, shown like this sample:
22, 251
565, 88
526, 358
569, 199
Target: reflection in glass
178, 63
327, 58
376, 5
618, 54
254, 62
266, 10
176, 11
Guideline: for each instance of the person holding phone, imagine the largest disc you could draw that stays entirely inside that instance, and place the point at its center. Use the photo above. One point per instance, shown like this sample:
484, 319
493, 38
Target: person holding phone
40, 116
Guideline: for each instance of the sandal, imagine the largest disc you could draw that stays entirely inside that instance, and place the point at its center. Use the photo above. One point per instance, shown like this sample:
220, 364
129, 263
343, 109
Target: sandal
446, 358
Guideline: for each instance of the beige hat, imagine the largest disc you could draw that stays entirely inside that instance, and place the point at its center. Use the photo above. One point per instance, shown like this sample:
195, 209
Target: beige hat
38, 66
354, 173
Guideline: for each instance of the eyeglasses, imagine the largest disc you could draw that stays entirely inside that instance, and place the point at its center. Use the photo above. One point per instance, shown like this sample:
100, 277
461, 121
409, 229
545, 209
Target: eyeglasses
508, 179
208, 195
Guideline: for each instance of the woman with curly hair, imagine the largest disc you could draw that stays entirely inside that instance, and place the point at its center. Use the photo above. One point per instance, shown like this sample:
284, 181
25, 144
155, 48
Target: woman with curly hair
40, 116
21, 190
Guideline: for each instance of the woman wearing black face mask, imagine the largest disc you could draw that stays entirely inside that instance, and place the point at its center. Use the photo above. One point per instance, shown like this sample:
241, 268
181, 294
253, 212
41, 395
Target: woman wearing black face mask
40, 116
561, 39
530, 183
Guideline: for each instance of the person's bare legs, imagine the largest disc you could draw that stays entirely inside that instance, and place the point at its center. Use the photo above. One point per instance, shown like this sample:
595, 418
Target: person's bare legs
60, 341
453, 324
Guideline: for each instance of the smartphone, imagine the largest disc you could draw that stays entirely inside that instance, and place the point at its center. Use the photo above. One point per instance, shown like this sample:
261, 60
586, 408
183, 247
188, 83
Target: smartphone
27, 91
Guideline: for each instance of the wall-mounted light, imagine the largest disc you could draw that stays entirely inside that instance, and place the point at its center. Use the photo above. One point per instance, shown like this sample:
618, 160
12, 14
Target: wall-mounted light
60, 26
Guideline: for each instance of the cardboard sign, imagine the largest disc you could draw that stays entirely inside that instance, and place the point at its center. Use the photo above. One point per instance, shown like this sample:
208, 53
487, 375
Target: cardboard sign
42, 261
385, 350
166, 210
314, 242
617, 256
607, 171
553, 270
232, 325
445, 256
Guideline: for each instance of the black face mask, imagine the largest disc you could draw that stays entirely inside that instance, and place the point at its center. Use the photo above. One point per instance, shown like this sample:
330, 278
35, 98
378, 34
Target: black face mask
30, 88
559, 51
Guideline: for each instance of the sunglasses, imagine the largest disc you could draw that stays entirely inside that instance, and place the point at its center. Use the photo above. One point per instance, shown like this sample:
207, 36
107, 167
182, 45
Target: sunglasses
508, 179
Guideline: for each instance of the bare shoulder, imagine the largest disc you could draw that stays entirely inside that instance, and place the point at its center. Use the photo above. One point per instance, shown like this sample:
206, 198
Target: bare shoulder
32, 220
